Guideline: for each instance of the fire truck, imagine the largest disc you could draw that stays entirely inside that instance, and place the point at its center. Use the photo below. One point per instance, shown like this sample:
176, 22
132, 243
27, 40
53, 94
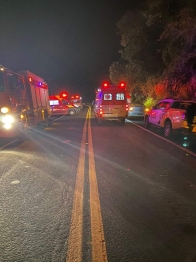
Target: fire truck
24, 101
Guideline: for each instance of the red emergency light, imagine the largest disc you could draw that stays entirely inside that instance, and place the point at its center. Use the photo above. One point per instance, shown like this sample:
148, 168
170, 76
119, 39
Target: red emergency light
30, 79
63, 95
122, 84
105, 84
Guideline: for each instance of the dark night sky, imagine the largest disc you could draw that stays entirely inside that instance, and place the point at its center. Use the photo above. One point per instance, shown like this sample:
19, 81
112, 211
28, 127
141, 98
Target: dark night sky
71, 43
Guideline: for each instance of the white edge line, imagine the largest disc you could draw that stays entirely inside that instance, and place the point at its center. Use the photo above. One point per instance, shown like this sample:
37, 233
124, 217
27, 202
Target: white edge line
168, 141
10, 143
56, 119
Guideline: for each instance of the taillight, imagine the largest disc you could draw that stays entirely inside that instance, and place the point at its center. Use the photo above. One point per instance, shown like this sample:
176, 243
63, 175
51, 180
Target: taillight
100, 110
184, 116
127, 107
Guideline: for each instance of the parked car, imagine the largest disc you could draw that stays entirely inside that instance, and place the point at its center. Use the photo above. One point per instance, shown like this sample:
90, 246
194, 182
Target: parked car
173, 115
136, 110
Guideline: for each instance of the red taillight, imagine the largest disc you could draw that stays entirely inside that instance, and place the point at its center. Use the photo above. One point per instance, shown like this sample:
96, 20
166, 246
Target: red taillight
127, 107
100, 110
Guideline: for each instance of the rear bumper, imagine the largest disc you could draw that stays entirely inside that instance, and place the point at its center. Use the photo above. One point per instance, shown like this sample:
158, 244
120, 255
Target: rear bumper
57, 113
135, 115
111, 117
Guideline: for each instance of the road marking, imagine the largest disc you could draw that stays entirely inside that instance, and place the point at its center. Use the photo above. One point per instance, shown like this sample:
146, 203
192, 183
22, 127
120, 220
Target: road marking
99, 253
8, 144
172, 143
55, 119
74, 252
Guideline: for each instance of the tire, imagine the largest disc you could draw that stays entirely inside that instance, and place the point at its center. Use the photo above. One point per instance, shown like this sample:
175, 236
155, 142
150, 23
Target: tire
167, 131
71, 112
146, 122
122, 121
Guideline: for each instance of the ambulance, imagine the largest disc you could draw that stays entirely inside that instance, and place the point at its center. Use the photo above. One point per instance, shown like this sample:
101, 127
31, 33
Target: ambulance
77, 101
111, 103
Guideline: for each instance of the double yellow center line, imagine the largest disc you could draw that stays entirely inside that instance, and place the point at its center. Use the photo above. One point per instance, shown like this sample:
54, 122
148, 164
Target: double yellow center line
74, 252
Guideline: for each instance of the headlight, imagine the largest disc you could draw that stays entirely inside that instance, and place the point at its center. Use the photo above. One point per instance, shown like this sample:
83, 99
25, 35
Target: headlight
4, 110
7, 126
147, 109
7, 119
131, 108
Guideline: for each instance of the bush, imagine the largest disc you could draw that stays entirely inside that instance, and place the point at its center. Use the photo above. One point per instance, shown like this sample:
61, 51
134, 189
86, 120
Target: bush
149, 102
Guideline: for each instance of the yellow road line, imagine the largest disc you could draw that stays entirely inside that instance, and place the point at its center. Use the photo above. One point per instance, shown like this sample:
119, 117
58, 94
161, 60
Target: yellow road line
74, 252
99, 253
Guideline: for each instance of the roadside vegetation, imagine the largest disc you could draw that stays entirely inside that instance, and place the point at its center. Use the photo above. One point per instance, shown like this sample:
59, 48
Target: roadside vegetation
158, 54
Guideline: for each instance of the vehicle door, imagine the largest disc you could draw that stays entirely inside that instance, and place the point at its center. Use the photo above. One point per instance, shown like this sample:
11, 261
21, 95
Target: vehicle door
107, 103
158, 111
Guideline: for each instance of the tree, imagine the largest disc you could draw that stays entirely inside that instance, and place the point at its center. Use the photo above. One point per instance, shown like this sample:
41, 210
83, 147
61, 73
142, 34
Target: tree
178, 43
158, 53
138, 53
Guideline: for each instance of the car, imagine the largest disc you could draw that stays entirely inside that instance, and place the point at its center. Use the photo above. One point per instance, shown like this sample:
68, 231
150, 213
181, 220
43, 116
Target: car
173, 116
136, 110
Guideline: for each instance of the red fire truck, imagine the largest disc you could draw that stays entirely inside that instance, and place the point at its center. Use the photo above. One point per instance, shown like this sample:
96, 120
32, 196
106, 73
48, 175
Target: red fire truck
24, 101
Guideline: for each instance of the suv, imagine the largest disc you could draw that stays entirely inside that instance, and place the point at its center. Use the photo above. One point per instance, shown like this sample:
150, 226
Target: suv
173, 115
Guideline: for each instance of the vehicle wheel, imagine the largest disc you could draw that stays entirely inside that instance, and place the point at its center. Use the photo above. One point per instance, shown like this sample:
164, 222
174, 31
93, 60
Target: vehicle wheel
146, 122
167, 132
122, 121
71, 112
99, 120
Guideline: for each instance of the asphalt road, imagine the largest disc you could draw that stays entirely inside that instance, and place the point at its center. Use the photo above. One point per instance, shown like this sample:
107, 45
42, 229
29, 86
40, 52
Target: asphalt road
77, 191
